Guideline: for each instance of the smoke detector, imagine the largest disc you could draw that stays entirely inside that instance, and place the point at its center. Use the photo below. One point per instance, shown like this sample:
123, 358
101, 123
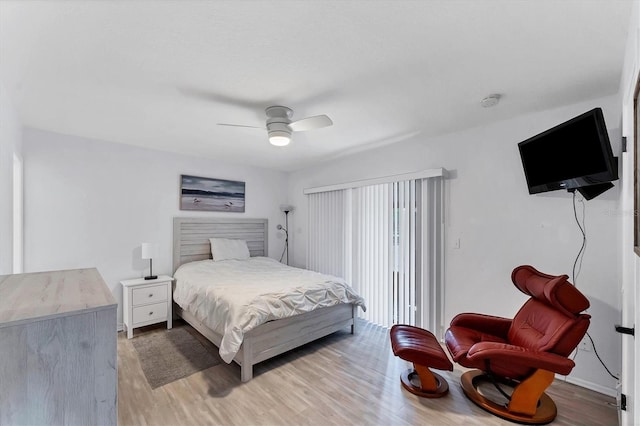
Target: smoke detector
491, 100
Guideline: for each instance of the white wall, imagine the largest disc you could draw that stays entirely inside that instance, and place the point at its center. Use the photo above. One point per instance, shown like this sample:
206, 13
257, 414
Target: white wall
10, 144
499, 224
91, 203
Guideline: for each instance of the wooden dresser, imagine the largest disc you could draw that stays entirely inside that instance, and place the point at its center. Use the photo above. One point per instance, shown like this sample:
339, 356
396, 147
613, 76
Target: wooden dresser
57, 349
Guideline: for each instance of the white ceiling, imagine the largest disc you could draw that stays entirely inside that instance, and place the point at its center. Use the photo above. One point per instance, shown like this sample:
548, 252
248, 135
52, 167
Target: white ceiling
161, 74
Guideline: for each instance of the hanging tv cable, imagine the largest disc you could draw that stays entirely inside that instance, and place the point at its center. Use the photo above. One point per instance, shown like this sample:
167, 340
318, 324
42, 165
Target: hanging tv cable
583, 230
579, 257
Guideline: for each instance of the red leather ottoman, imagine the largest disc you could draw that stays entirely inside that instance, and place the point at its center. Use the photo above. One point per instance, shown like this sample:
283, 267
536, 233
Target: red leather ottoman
420, 347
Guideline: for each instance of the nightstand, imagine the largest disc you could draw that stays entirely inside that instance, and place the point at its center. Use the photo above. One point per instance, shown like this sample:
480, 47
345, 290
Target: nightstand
146, 302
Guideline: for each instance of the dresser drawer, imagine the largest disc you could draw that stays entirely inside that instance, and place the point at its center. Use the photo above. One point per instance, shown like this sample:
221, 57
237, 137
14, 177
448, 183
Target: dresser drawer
157, 311
143, 296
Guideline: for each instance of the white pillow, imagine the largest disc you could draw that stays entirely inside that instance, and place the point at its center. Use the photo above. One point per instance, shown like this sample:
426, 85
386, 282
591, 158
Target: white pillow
224, 249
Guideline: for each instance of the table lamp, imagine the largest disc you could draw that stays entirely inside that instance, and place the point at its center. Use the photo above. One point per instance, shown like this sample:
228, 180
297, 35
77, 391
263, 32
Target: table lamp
148, 252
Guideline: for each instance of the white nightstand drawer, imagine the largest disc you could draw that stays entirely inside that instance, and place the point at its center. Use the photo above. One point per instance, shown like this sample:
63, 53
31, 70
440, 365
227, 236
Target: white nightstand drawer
146, 302
157, 311
143, 296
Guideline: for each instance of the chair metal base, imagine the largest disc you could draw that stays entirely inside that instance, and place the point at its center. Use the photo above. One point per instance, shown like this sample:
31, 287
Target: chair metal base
545, 411
434, 386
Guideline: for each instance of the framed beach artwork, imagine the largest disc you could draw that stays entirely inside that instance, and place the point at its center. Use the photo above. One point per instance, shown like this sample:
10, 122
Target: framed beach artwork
213, 195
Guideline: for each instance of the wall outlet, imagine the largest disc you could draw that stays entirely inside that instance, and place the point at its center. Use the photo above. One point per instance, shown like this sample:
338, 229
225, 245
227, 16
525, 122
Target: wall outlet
585, 344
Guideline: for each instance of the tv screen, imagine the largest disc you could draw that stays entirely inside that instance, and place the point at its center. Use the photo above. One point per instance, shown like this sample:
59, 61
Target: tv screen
574, 154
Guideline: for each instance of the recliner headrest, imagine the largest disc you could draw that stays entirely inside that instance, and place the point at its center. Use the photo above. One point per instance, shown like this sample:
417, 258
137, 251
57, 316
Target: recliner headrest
555, 291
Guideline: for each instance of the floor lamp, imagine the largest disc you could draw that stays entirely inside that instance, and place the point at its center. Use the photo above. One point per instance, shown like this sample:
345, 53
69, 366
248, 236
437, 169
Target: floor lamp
286, 209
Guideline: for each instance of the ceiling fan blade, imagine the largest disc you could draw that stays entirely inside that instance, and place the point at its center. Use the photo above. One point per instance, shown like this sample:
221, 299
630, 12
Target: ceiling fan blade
239, 125
310, 123
220, 98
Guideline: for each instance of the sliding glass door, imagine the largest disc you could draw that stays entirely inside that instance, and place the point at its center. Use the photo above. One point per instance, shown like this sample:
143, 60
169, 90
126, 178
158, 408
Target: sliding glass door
385, 240
384, 251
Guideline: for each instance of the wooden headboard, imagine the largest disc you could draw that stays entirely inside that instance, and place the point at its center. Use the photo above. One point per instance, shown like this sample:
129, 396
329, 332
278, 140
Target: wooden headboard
191, 236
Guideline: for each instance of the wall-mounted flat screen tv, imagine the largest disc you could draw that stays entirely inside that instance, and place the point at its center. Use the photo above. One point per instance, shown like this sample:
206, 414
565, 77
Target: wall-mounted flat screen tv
571, 155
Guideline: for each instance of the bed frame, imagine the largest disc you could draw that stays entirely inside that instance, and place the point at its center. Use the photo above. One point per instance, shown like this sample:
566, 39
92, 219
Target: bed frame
191, 243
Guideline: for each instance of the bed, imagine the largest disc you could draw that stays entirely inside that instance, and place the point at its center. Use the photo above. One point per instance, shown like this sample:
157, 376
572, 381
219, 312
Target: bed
192, 249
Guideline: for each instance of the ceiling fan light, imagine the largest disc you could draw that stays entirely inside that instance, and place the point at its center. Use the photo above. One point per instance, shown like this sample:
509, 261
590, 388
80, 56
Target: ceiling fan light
279, 138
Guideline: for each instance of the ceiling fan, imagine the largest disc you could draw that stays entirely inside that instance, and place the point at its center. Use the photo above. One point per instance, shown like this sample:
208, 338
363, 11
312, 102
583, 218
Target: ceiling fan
279, 125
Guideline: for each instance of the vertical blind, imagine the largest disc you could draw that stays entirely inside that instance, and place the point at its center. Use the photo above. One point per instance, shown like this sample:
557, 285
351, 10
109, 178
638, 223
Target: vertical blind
328, 217
384, 218
377, 237
372, 261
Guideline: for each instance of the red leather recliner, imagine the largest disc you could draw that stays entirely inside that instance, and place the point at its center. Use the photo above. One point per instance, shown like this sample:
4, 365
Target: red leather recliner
524, 352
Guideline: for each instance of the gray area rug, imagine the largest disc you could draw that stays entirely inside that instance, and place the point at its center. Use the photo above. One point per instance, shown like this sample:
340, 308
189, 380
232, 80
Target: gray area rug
170, 355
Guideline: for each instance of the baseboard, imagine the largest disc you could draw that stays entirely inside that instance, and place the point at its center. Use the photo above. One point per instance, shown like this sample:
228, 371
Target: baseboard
120, 327
592, 386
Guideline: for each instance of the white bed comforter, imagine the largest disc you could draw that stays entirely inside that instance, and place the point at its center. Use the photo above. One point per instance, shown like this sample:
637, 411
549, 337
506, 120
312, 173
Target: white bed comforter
234, 296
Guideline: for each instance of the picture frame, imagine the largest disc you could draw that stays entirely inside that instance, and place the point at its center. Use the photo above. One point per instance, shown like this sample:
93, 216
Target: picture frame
211, 194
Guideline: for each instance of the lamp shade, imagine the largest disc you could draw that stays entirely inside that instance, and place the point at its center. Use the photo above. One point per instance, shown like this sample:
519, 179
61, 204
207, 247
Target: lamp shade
279, 140
148, 250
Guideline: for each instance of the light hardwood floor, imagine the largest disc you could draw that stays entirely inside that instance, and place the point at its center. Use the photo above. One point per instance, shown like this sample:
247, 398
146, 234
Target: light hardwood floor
342, 379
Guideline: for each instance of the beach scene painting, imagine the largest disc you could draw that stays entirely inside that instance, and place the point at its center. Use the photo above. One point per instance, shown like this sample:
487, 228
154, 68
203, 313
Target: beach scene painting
213, 195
